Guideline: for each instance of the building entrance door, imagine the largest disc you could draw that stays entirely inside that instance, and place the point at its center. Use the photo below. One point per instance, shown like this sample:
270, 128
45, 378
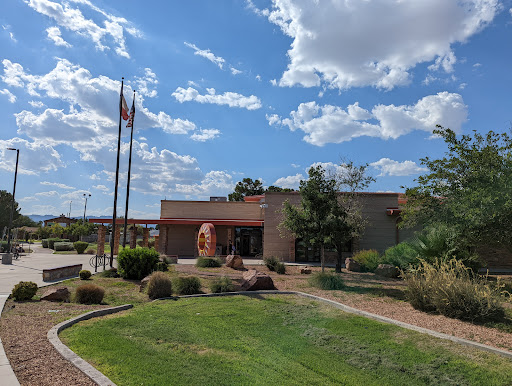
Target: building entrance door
248, 241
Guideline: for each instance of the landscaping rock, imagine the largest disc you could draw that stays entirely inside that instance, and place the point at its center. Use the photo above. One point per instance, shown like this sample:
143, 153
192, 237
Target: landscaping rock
387, 270
352, 265
60, 294
253, 280
143, 283
305, 271
234, 261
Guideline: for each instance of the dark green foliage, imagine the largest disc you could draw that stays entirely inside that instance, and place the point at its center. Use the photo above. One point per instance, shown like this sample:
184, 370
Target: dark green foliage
401, 255
63, 246
271, 262
52, 241
368, 259
327, 281
208, 262
84, 274
280, 268
222, 284
159, 286
246, 187
24, 290
162, 266
3, 246
89, 294
5, 209
188, 285
112, 272
44, 243
137, 263
80, 246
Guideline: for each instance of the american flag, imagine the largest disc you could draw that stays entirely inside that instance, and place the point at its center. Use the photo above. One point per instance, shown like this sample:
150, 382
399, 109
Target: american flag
132, 114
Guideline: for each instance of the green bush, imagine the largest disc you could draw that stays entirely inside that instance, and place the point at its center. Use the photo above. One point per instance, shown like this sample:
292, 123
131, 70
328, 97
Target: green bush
280, 268
450, 288
52, 241
44, 243
188, 285
401, 255
84, 274
137, 263
80, 246
90, 251
368, 259
162, 266
89, 294
221, 284
63, 246
327, 281
159, 285
271, 262
112, 272
24, 290
208, 262
3, 246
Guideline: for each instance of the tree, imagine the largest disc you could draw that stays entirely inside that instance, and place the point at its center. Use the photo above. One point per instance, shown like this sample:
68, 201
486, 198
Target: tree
246, 187
24, 221
273, 188
469, 189
5, 209
81, 228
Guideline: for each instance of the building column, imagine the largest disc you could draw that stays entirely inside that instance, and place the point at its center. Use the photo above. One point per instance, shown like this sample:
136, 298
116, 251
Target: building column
133, 237
162, 244
196, 235
145, 237
101, 240
117, 236
291, 251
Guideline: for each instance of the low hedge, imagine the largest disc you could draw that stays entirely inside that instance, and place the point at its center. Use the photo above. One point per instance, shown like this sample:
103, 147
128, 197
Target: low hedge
63, 246
44, 243
80, 246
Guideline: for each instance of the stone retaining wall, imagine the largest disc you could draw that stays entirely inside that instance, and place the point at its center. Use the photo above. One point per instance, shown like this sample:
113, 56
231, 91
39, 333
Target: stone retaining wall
63, 272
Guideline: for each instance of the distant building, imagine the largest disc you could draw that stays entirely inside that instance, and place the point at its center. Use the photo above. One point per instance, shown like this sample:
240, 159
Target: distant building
62, 220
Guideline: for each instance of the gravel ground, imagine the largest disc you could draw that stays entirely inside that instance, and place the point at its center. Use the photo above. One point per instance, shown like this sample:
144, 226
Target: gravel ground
23, 326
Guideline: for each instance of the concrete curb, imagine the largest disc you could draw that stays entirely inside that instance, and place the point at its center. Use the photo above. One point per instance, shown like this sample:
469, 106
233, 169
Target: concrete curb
6, 372
86, 368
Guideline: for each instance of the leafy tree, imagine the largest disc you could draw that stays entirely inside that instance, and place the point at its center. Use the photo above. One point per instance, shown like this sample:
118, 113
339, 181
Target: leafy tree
5, 209
273, 188
43, 232
246, 187
81, 228
57, 230
24, 221
469, 189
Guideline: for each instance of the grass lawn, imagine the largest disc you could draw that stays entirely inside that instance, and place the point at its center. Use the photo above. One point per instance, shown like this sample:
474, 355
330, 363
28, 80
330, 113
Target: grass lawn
278, 340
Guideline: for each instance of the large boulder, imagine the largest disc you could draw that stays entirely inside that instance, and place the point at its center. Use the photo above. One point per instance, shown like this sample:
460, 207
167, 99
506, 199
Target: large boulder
305, 271
387, 270
253, 280
234, 261
352, 265
60, 294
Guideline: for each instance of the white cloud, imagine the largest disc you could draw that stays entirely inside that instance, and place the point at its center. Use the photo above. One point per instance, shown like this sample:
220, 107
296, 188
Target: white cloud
55, 35
192, 83
446, 62
11, 35
73, 20
37, 104
10, 95
146, 85
235, 71
205, 135
57, 184
52, 193
295, 166
232, 99
219, 61
389, 167
332, 124
103, 188
462, 86
35, 157
373, 43
476, 65
258, 78
291, 182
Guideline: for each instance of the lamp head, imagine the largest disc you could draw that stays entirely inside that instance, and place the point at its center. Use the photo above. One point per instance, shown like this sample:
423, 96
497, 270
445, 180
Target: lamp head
11, 148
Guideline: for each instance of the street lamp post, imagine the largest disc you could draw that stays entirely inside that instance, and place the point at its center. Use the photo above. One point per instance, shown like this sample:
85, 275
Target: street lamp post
7, 258
85, 207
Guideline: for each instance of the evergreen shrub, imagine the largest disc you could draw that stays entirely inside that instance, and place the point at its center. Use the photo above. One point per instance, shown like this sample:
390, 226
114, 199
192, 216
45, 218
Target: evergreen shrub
327, 281
137, 263
80, 246
208, 262
271, 262
368, 259
63, 246
222, 284
24, 290
89, 294
159, 285
84, 274
187, 285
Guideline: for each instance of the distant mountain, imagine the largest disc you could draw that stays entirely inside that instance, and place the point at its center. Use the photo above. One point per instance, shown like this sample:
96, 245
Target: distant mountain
38, 217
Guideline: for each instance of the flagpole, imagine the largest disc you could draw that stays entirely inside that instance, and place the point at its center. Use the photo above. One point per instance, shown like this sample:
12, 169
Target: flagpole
129, 174
114, 216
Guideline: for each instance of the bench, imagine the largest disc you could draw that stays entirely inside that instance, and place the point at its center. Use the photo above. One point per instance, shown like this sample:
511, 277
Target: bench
63, 272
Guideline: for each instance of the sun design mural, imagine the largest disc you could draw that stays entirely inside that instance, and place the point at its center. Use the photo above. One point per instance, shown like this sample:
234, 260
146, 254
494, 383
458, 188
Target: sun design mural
206, 240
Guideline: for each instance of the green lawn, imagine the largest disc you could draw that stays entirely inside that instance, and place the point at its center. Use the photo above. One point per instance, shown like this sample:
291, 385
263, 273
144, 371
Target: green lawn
271, 340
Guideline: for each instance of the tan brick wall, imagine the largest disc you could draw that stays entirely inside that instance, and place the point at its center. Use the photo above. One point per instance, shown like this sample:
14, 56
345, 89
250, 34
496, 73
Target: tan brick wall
211, 210
182, 239
496, 257
101, 240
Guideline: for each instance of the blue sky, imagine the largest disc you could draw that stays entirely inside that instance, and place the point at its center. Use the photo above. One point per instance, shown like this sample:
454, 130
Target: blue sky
234, 89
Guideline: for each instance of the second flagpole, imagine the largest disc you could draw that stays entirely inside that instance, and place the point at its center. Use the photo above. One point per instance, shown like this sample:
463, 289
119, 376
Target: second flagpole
132, 118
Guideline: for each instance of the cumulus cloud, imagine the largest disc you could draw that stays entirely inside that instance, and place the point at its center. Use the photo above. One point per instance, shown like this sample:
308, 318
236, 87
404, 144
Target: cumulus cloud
55, 35
72, 19
389, 167
376, 43
290, 182
35, 157
333, 124
57, 184
37, 104
205, 135
10, 96
235, 71
217, 60
232, 99
146, 85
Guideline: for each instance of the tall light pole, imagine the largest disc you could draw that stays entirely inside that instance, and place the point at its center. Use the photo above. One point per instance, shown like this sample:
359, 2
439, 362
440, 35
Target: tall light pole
69, 215
7, 259
85, 207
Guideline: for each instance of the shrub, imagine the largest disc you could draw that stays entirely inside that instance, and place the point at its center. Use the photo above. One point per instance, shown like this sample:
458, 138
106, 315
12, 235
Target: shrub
90, 251
280, 268
169, 259
368, 259
271, 262
137, 263
84, 274
159, 285
89, 294
450, 288
3, 246
151, 243
112, 272
24, 290
80, 246
162, 266
187, 285
327, 281
52, 241
44, 243
401, 255
208, 262
222, 284
63, 246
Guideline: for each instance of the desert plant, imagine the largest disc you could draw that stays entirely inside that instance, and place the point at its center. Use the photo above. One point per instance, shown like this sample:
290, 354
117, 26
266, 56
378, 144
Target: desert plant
369, 259
187, 285
90, 251
159, 285
80, 246
327, 281
89, 294
44, 243
137, 263
401, 255
24, 290
151, 243
222, 284
84, 274
208, 262
112, 272
271, 262
162, 266
450, 288
280, 268
63, 246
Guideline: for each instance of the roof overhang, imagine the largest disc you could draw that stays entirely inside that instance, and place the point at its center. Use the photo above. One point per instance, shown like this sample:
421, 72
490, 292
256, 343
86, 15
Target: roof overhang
182, 221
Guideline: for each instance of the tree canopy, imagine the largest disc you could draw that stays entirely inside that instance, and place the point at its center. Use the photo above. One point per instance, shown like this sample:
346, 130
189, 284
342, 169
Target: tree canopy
250, 187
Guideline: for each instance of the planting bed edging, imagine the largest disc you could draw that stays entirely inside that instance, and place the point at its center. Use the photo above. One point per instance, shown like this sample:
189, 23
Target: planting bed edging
86, 368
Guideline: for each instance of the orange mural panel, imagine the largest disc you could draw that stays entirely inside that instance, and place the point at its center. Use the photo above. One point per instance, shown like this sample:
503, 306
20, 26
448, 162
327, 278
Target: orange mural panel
206, 240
